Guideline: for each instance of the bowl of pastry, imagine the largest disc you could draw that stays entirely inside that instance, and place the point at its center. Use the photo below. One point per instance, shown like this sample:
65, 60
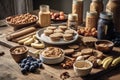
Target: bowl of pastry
57, 35
52, 55
21, 20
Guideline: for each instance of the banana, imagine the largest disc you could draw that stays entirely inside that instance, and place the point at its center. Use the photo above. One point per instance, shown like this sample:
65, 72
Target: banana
107, 63
36, 53
99, 62
115, 61
28, 42
23, 40
38, 46
36, 41
105, 59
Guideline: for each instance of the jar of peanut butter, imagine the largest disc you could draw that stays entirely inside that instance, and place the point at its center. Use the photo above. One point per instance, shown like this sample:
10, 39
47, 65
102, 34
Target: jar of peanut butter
96, 5
77, 8
91, 19
73, 21
44, 16
114, 7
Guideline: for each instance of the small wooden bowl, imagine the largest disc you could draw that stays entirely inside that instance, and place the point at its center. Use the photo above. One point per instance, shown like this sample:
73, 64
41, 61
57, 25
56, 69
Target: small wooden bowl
107, 48
19, 56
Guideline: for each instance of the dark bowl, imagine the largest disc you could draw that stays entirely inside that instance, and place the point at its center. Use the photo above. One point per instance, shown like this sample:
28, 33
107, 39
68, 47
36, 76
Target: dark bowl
104, 45
18, 57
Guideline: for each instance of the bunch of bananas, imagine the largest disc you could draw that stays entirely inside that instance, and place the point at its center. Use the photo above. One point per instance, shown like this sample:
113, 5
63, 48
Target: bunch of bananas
110, 61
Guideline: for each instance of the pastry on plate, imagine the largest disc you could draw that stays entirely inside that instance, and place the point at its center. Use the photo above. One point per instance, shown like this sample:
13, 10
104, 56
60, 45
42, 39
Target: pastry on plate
55, 37
59, 34
68, 37
63, 27
51, 27
48, 32
58, 31
69, 31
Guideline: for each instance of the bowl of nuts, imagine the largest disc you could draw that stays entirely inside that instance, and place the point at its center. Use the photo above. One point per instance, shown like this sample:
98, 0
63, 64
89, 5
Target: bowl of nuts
22, 20
52, 55
18, 53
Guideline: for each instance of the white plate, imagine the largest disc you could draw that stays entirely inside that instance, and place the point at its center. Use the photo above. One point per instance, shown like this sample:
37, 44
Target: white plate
40, 35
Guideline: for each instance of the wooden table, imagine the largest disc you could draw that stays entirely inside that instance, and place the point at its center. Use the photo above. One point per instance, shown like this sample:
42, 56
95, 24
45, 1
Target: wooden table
10, 70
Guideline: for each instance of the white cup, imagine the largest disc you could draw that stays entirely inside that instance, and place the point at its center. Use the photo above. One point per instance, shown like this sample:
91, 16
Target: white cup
82, 68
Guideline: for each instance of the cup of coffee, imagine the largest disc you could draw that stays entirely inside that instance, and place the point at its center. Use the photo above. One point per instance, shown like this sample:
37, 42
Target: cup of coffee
82, 67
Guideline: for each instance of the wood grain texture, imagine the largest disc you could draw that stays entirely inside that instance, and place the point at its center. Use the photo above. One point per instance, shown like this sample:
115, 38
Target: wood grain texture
10, 70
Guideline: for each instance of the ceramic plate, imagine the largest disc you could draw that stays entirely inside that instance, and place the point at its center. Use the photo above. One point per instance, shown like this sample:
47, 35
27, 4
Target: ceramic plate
40, 35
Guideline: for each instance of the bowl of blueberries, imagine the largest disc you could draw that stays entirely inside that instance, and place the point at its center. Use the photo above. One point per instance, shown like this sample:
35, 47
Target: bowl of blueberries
30, 64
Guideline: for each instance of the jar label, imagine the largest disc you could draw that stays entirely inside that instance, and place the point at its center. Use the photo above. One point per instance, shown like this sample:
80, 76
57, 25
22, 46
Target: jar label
72, 25
91, 22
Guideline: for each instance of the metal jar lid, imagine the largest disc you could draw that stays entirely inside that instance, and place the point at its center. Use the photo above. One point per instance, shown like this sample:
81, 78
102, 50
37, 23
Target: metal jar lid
106, 15
91, 13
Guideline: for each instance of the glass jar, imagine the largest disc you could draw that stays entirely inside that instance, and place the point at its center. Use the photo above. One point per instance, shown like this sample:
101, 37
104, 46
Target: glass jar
96, 5
77, 8
105, 26
114, 7
91, 19
73, 21
44, 16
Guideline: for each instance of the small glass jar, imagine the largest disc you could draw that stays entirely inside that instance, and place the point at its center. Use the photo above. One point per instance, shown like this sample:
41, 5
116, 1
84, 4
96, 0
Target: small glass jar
91, 19
73, 21
105, 26
77, 8
44, 16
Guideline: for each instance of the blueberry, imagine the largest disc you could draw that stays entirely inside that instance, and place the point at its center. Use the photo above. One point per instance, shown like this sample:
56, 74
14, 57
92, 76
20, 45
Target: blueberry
32, 68
31, 63
29, 57
34, 59
39, 61
23, 70
24, 60
40, 65
28, 60
22, 65
36, 65
26, 67
28, 63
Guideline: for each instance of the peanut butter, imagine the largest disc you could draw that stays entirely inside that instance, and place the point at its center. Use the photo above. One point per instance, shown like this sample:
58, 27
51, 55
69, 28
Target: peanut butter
77, 8
114, 7
44, 16
91, 19
96, 5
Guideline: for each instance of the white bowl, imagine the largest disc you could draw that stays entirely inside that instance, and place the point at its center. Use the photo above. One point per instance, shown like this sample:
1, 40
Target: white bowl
82, 71
52, 60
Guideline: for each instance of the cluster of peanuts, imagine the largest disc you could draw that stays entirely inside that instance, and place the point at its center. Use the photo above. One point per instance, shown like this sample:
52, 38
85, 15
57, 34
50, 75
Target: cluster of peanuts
68, 63
22, 19
87, 31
